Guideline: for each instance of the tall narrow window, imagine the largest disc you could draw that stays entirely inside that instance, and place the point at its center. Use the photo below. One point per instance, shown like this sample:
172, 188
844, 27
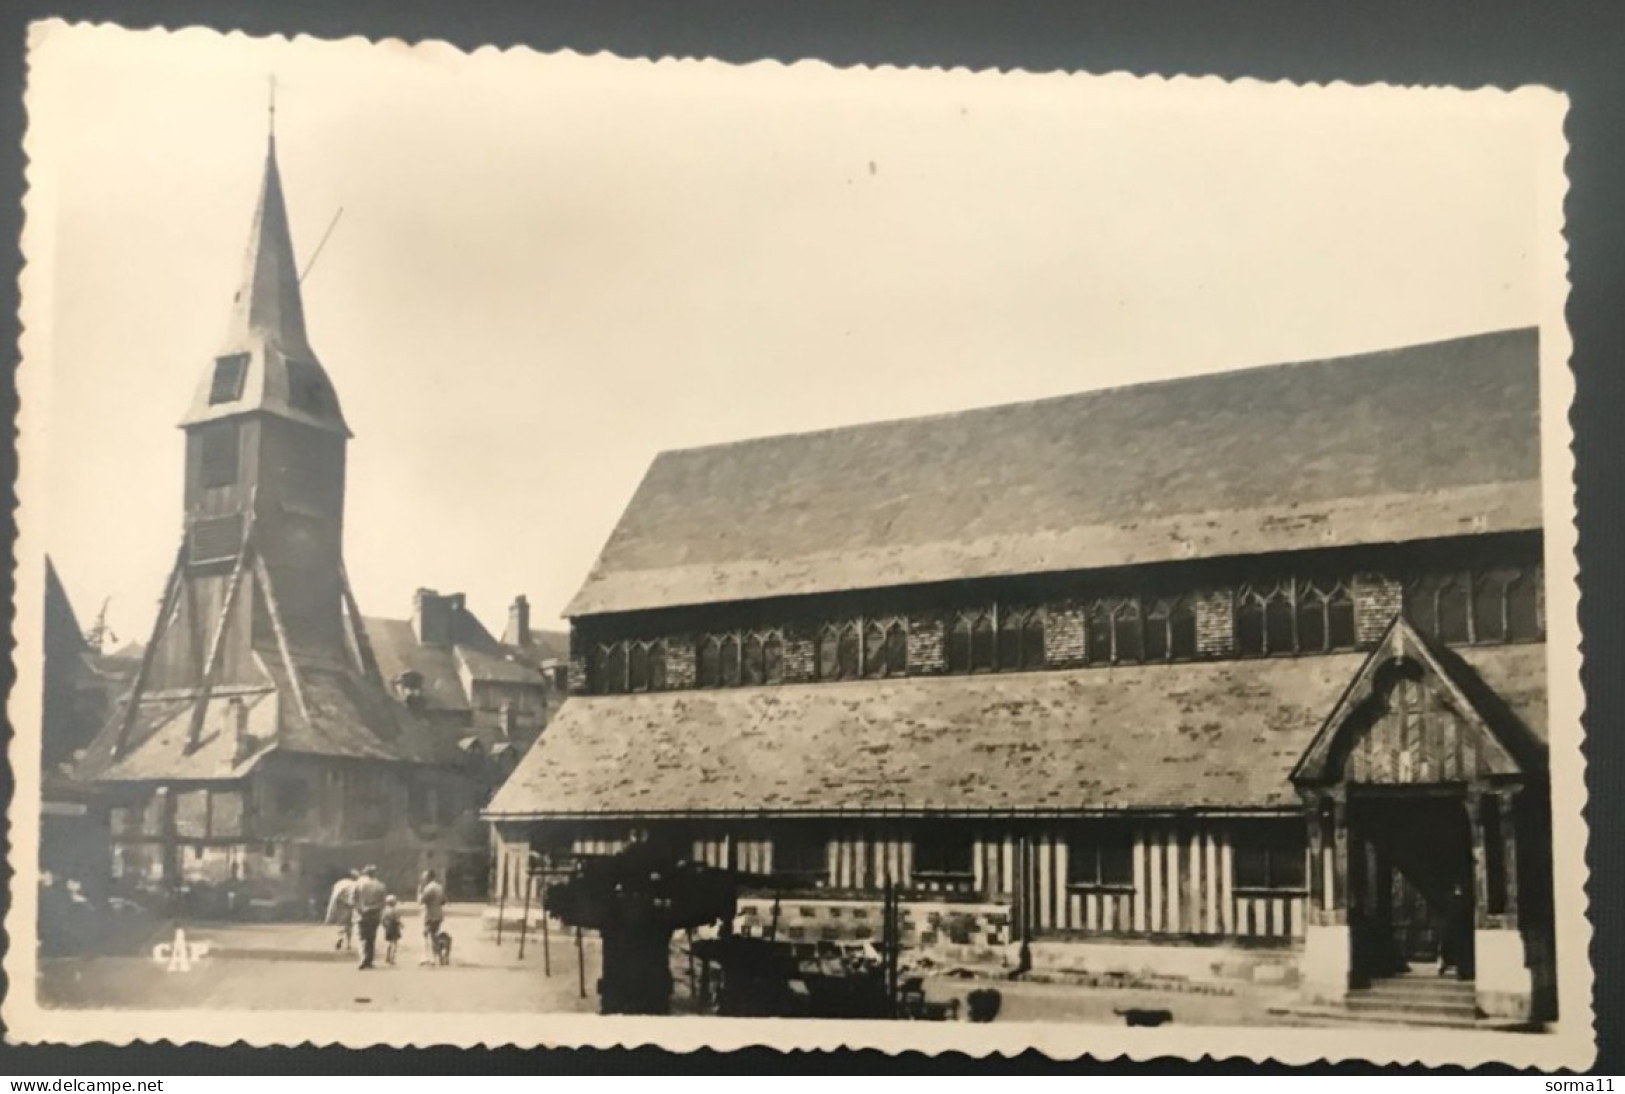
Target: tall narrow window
1010, 639
959, 643
1249, 622
1312, 618
709, 671
226, 386
1489, 606
1340, 630
1032, 641
1523, 615
1182, 631
1128, 632
638, 667
755, 666
829, 653
1098, 648
773, 659
217, 454
1279, 634
730, 662
1451, 598
982, 654
874, 650
848, 654
1158, 641
657, 666
615, 668
896, 650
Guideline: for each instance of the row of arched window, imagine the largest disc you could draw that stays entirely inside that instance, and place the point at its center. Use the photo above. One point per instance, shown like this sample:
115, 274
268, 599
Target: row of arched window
995, 640
862, 649
1501, 605
739, 659
1294, 616
1132, 630
1291, 616
619, 667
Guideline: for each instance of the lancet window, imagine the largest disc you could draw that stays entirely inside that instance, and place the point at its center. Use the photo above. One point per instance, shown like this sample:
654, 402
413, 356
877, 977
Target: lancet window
1294, 616
619, 667
872, 648
996, 639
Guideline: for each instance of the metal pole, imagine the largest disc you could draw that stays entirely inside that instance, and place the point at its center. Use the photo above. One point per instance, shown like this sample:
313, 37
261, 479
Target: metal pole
524, 922
547, 954
692, 986
581, 964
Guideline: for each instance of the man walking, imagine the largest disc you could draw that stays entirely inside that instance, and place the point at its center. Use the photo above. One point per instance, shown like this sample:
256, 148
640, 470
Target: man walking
369, 905
341, 910
432, 899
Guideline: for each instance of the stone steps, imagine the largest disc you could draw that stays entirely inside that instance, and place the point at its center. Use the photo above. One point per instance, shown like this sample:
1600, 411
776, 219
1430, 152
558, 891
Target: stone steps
1416, 996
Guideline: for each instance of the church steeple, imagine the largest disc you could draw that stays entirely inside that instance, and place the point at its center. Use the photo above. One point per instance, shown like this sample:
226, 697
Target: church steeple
268, 302
265, 362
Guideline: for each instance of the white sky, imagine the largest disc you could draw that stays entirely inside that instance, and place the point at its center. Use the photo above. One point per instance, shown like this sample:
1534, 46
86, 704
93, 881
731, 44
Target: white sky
550, 267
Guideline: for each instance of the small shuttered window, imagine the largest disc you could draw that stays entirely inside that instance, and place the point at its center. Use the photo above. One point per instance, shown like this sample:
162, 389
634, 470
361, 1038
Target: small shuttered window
215, 540
229, 374
218, 455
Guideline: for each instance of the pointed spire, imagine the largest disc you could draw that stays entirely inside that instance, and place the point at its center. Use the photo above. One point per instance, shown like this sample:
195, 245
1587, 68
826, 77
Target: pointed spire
268, 301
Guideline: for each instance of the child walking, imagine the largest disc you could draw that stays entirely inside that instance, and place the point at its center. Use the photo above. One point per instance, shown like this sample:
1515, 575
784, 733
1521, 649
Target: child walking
391, 923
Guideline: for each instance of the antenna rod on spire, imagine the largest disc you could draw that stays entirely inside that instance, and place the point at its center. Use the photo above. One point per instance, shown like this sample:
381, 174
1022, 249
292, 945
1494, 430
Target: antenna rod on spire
317, 253
272, 111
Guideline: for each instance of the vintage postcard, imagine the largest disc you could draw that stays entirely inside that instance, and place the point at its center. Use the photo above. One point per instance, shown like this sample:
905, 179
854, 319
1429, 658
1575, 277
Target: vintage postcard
528, 549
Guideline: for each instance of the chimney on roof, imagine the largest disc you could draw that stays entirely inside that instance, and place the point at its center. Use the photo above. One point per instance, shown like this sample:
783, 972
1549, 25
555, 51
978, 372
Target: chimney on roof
518, 633
433, 616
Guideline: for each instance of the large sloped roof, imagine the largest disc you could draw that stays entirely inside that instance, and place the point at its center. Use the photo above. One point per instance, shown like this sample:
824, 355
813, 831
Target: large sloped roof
343, 716
1411, 443
1213, 735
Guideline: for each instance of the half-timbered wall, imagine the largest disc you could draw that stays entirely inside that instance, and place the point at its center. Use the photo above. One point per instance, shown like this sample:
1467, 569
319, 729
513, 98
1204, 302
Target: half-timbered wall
1242, 878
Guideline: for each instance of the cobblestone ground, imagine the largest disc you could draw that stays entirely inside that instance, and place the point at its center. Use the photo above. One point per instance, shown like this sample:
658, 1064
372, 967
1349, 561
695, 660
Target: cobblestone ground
295, 967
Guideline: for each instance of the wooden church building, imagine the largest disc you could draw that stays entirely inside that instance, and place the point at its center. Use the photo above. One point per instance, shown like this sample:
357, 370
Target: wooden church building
260, 753
1241, 675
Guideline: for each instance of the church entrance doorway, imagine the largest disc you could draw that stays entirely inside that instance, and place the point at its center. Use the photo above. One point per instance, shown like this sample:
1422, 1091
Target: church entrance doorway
1412, 882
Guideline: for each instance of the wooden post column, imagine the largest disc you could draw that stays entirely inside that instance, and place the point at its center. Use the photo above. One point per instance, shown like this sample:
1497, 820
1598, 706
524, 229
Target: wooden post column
1481, 873
1509, 841
1318, 897
1340, 860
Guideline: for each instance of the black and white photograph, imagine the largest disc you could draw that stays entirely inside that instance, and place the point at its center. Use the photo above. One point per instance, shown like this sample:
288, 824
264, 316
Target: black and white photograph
543, 549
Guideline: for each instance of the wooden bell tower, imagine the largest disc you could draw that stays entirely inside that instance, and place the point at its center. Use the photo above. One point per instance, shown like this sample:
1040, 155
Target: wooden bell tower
258, 597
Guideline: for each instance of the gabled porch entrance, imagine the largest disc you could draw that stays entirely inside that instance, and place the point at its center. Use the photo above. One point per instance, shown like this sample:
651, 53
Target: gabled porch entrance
1417, 793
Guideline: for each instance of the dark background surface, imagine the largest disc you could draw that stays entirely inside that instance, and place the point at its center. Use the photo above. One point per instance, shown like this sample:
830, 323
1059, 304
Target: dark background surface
1578, 48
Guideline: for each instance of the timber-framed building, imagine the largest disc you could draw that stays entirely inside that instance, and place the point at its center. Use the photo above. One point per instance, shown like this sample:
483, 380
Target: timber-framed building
1241, 675
260, 753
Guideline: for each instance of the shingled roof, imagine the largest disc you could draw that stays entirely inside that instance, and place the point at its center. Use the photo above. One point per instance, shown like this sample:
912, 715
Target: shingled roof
1412, 443
1215, 735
